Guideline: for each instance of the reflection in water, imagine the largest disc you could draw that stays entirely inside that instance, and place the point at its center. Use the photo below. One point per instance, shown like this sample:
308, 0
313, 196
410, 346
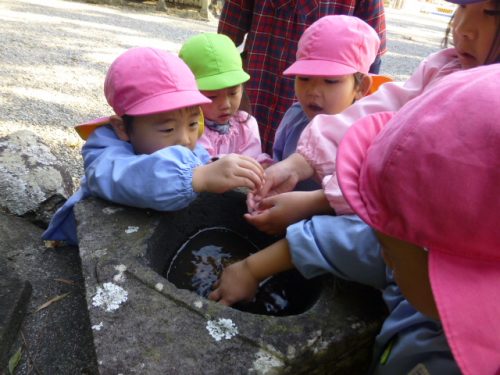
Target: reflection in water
200, 261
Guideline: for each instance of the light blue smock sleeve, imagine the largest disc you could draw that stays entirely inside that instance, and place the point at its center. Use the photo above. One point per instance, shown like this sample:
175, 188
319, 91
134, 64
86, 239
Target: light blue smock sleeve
161, 180
342, 245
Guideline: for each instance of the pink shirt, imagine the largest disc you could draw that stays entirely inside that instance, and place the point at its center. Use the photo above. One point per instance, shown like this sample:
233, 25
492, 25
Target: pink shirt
319, 140
243, 138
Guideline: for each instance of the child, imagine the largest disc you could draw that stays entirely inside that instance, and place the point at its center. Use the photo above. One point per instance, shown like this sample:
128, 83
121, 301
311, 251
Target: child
216, 64
270, 30
146, 154
331, 72
476, 39
427, 183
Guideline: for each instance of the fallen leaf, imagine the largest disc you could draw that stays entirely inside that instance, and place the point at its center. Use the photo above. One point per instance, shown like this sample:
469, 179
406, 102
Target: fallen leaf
14, 360
51, 301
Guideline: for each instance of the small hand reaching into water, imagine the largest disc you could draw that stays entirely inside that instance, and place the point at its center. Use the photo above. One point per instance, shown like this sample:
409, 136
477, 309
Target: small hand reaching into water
236, 284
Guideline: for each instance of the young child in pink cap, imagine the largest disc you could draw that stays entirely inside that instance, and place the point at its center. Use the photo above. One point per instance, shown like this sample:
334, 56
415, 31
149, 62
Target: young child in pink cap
216, 64
426, 182
331, 72
476, 39
146, 155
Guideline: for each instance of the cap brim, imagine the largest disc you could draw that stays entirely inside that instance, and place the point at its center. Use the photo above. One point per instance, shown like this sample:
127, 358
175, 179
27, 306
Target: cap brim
84, 130
351, 155
377, 81
168, 101
222, 81
467, 291
319, 68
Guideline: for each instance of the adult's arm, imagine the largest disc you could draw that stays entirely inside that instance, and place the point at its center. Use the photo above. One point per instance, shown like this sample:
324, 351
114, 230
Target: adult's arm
235, 19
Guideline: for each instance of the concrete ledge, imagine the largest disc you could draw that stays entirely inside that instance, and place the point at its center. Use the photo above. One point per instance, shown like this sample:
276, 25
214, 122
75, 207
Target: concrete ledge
142, 323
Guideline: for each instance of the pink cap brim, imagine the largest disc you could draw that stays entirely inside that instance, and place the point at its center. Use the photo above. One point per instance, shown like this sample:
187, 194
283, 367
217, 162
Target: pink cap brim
319, 68
350, 157
469, 310
167, 101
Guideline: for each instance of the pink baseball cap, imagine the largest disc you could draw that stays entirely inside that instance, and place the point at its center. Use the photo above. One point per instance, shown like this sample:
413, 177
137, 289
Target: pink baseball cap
334, 46
430, 175
145, 81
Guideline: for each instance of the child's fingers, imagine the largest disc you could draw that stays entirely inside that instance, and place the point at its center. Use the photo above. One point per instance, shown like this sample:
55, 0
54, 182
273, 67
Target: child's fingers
267, 203
215, 295
247, 178
259, 221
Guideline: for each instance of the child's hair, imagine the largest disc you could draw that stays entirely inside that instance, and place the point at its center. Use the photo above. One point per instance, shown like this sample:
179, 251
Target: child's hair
144, 81
334, 46
494, 53
449, 163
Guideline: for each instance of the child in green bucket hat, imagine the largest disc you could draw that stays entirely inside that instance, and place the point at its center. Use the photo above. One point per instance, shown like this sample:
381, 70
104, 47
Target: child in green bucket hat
217, 67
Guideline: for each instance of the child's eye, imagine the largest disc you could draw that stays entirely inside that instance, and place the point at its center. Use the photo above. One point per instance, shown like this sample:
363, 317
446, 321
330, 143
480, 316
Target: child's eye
331, 81
492, 12
169, 130
303, 79
194, 124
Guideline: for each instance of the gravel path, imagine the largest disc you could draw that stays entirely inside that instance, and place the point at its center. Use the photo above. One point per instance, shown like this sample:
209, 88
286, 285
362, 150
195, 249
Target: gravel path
54, 55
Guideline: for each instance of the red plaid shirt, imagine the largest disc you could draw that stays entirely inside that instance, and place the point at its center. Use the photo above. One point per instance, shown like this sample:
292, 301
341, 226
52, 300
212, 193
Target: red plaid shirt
274, 28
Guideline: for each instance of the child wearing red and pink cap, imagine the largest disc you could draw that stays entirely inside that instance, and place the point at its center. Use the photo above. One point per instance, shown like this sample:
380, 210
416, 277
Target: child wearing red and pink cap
476, 41
146, 155
426, 182
331, 72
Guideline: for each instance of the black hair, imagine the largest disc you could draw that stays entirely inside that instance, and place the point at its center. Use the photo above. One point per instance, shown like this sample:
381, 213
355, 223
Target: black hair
358, 78
128, 121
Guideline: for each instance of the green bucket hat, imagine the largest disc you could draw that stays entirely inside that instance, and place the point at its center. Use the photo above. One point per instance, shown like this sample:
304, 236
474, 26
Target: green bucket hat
214, 60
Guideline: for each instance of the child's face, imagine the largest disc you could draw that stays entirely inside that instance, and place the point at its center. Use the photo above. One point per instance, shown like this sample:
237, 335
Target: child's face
151, 133
225, 103
409, 266
474, 28
325, 95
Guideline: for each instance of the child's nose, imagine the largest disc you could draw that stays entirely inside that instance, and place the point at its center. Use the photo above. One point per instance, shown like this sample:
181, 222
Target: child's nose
225, 102
184, 139
465, 28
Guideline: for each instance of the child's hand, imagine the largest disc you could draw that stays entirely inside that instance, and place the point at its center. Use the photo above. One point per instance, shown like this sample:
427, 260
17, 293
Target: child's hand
283, 176
274, 214
236, 284
229, 172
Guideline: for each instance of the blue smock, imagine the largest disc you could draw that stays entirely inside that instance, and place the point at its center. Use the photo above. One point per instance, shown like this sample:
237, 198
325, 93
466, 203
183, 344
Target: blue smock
113, 171
346, 247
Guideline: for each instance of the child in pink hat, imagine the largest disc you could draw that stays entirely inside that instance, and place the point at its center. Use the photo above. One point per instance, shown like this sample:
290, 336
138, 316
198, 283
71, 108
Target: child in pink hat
426, 181
146, 155
331, 72
475, 28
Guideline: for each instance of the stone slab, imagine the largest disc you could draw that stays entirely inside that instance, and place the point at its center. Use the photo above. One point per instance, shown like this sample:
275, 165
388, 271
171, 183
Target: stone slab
56, 339
158, 328
14, 297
